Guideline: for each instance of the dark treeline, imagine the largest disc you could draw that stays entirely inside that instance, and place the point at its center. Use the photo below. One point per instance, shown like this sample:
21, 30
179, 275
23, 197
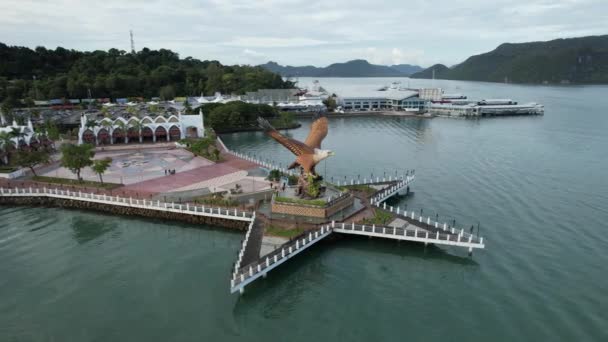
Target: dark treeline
51, 74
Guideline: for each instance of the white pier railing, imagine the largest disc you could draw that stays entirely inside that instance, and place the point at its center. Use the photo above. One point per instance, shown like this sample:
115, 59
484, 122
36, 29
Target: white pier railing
410, 234
265, 164
372, 180
251, 272
392, 190
424, 222
239, 258
189, 209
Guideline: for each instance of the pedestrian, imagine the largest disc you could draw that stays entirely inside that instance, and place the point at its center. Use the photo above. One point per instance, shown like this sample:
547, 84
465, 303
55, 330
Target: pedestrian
165, 172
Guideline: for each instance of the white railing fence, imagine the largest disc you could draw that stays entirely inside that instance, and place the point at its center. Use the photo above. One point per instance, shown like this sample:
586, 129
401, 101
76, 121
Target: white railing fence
372, 180
217, 212
444, 226
239, 259
386, 193
266, 164
277, 257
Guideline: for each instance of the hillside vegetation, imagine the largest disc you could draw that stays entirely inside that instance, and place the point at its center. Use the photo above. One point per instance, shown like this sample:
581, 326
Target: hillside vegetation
63, 73
572, 60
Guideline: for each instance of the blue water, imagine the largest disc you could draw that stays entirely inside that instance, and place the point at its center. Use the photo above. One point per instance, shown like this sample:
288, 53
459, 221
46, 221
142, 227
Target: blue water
536, 185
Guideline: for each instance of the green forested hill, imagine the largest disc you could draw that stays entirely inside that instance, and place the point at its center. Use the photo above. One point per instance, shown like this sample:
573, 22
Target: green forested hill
574, 60
115, 73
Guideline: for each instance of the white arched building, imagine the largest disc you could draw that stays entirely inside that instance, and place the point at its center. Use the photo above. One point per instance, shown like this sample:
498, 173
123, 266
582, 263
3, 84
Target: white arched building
135, 130
28, 135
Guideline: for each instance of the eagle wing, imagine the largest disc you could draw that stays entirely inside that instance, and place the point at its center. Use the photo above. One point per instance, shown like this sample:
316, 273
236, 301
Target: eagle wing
296, 147
318, 132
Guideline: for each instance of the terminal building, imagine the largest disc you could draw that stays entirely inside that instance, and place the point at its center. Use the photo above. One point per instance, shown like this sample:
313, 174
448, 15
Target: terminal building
398, 100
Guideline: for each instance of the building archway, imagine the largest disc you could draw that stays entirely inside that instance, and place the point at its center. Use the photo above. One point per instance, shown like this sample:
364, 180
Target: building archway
88, 137
103, 137
175, 133
147, 134
133, 135
191, 132
118, 136
161, 133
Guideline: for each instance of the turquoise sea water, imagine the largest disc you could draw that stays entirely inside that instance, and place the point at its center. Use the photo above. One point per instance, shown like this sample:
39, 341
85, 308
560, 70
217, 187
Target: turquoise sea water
537, 185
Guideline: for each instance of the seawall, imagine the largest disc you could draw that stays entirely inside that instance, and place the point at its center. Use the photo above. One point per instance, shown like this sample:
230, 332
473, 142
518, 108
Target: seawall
121, 210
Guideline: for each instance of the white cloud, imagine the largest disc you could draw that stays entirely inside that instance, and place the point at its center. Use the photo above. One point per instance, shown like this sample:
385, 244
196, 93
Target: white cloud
274, 42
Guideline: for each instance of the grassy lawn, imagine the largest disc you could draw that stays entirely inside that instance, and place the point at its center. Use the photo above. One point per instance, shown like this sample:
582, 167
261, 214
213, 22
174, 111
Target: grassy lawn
282, 232
363, 188
65, 181
380, 218
217, 200
318, 203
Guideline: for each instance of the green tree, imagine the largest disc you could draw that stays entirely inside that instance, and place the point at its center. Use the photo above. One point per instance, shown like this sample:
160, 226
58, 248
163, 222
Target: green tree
167, 92
137, 126
19, 134
77, 157
31, 159
330, 103
101, 166
6, 143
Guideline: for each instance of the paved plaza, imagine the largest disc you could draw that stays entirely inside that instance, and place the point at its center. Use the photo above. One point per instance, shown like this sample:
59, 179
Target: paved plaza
143, 170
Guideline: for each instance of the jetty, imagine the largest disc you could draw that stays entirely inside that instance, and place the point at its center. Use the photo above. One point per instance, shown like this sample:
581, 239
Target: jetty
406, 226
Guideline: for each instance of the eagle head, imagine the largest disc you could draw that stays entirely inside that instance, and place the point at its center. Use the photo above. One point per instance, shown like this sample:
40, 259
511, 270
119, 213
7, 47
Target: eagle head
322, 154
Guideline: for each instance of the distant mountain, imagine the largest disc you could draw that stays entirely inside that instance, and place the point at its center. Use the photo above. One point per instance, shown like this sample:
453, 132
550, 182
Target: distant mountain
440, 72
572, 60
407, 69
354, 68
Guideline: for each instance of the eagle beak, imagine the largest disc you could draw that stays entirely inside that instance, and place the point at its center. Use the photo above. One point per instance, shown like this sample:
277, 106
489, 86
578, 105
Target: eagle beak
332, 153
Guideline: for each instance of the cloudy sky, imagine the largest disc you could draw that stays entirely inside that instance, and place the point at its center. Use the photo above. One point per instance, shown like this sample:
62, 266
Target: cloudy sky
301, 32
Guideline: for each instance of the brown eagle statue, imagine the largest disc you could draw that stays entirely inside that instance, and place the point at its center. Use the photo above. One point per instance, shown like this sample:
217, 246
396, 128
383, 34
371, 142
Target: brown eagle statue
308, 153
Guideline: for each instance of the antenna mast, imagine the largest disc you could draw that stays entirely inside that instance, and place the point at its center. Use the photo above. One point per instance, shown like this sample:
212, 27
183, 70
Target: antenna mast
132, 42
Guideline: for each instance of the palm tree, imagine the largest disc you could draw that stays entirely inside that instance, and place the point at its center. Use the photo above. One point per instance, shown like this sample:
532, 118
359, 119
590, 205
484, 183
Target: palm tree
19, 134
137, 126
120, 124
6, 141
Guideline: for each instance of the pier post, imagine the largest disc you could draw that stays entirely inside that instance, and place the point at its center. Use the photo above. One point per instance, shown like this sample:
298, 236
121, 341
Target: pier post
426, 236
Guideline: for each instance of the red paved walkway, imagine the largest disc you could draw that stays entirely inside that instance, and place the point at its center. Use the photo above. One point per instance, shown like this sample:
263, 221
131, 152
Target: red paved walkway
230, 164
